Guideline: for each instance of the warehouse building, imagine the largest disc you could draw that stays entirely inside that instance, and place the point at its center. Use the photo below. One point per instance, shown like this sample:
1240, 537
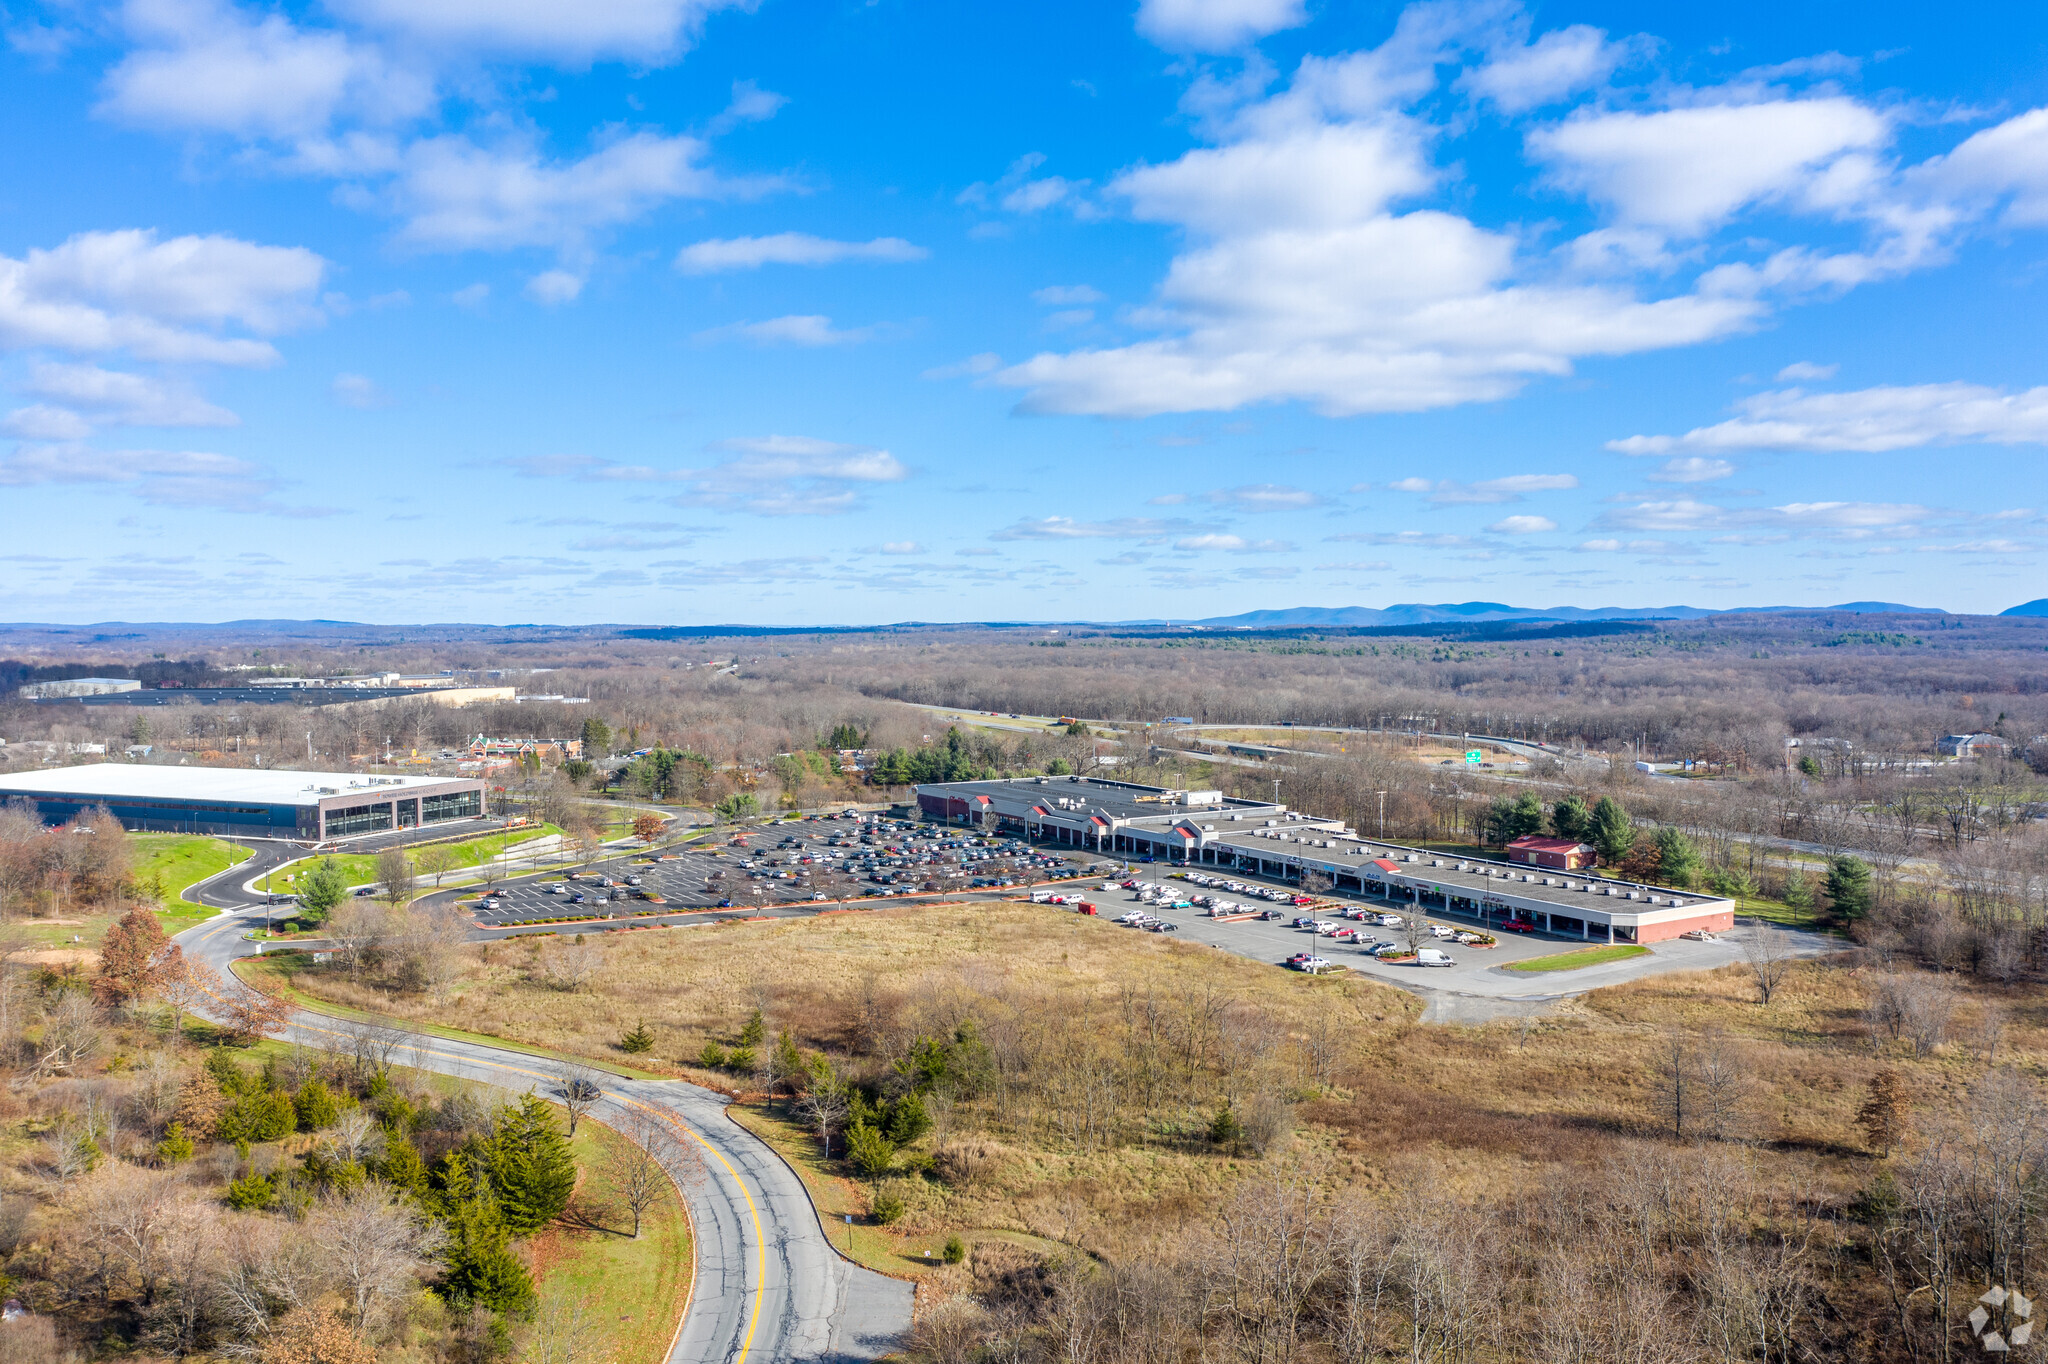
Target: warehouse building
1205, 828
247, 803
80, 686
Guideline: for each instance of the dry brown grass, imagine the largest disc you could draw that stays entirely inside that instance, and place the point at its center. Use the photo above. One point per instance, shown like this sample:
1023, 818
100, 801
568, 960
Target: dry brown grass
1497, 1109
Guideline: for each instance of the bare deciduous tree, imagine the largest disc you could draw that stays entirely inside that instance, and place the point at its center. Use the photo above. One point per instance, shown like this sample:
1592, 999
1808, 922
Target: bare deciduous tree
1769, 954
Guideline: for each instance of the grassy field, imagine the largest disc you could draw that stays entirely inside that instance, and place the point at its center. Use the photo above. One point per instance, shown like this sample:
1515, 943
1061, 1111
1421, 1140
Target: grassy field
361, 868
280, 971
1584, 956
165, 864
633, 1290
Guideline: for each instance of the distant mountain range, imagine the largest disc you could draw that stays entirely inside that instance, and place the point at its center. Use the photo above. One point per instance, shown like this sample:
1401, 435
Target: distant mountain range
1443, 613
2037, 607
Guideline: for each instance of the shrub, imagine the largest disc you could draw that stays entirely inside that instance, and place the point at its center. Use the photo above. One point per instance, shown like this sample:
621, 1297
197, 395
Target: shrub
887, 1207
175, 1147
640, 1040
713, 1057
1225, 1129
740, 1060
956, 1250
250, 1193
315, 1106
870, 1152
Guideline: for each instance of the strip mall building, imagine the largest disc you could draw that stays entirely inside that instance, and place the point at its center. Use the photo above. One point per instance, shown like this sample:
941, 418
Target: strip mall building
1255, 838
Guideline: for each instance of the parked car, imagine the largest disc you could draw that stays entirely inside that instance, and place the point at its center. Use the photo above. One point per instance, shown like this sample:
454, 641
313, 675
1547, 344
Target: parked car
1433, 956
1442, 931
1519, 926
1303, 921
1162, 926
1388, 920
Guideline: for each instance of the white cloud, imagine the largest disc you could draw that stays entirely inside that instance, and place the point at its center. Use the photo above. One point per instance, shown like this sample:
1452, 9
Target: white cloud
1686, 171
1868, 420
1522, 525
163, 478
1848, 518
1058, 295
790, 248
208, 65
985, 363
2007, 163
1658, 548
750, 104
552, 287
645, 31
804, 329
1302, 282
1805, 371
766, 475
1233, 544
1692, 469
1512, 488
457, 195
109, 397
1321, 177
1558, 64
471, 296
127, 290
1263, 497
1066, 528
358, 391
1412, 539
1216, 25
903, 547
42, 422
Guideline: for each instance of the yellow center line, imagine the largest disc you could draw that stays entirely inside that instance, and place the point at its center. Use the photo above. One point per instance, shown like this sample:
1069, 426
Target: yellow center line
661, 1115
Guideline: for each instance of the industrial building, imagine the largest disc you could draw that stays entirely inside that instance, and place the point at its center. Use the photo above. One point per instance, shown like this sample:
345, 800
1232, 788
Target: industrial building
80, 686
1209, 829
321, 695
247, 803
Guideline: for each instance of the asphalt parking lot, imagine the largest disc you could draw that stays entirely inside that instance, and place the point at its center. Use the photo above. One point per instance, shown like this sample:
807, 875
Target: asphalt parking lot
1477, 970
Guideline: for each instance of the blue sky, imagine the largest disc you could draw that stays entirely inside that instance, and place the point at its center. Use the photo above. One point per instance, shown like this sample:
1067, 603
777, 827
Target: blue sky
822, 311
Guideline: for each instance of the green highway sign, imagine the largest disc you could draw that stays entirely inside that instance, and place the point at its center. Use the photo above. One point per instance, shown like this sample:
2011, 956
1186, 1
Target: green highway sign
1472, 755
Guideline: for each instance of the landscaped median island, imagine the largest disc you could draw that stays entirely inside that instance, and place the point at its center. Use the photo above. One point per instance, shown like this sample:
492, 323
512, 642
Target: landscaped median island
464, 860
1581, 956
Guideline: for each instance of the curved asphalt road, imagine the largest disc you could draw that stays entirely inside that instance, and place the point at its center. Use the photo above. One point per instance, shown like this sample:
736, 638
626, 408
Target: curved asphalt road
768, 1287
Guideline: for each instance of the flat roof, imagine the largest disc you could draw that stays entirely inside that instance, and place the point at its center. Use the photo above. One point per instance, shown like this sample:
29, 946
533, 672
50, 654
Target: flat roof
109, 781
1119, 799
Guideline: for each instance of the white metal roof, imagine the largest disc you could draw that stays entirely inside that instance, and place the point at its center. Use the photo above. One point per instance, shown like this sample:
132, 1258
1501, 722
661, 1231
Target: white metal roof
108, 781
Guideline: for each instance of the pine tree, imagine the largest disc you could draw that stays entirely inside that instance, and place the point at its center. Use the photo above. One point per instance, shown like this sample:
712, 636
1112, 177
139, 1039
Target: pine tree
401, 1167
532, 1171
1678, 861
321, 889
870, 1151
641, 1039
1611, 831
756, 1028
1570, 818
481, 1266
1848, 887
315, 1106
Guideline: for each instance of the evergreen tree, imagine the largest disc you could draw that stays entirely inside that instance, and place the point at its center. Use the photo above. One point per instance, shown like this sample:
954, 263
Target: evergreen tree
1848, 887
316, 1106
597, 738
638, 1041
870, 1151
481, 1266
401, 1167
1678, 861
753, 1030
1509, 820
786, 1063
531, 1169
909, 1119
176, 1145
1570, 818
320, 890
1611, 830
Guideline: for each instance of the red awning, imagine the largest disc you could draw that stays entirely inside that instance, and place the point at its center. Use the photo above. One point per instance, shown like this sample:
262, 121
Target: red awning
1384, 865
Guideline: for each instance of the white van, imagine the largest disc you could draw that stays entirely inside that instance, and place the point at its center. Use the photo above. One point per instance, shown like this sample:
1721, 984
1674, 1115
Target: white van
1433, 956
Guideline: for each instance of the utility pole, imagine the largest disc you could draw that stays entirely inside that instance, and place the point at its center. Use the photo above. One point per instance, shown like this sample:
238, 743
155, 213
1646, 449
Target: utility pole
1276, 790
1383, 815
